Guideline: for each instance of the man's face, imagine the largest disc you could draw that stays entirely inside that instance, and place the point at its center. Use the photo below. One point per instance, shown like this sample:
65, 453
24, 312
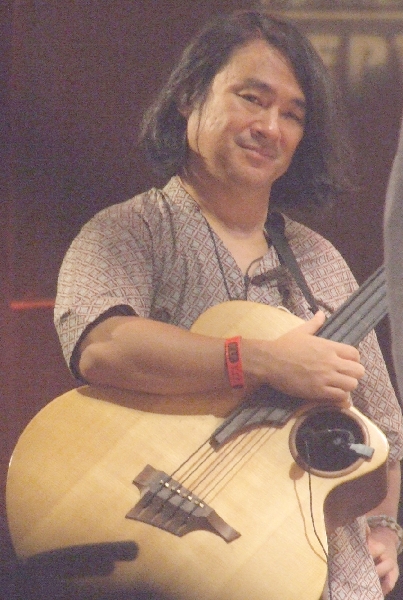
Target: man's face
247, 130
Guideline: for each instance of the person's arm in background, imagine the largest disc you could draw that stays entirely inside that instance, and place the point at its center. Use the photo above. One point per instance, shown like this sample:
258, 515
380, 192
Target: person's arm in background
382, 540
393, 245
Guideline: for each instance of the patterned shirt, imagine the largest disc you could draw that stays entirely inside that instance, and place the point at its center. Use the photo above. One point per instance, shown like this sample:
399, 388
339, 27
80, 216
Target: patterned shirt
155, 256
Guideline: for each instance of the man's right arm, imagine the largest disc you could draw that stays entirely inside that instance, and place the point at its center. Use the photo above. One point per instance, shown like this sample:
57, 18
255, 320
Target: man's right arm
143, 355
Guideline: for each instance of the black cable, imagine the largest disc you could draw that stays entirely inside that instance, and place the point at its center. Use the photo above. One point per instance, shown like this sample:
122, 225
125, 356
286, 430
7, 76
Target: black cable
313, 521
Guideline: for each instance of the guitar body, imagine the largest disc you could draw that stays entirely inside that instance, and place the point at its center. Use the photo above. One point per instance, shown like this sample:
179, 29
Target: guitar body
70, 484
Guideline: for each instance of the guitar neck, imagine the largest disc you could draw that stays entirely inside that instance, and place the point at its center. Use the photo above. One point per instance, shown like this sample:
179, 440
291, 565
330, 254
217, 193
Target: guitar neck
360, 314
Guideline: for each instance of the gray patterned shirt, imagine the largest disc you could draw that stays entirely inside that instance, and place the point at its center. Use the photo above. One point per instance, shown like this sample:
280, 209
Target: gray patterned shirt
154, 256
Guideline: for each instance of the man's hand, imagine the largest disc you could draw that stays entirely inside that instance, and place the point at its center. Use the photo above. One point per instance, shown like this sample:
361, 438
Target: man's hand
382, 547
316, 369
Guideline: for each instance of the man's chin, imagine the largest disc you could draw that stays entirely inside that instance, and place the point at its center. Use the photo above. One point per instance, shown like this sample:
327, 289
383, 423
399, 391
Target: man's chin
254, 177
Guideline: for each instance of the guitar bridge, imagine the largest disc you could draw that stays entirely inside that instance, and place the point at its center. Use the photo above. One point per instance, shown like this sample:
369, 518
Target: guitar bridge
166, 504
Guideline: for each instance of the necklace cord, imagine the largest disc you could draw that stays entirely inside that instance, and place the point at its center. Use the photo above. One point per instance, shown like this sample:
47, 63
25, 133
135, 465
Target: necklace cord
247, 278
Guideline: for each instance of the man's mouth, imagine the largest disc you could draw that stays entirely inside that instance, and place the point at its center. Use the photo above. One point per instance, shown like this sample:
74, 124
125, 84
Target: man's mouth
264, 151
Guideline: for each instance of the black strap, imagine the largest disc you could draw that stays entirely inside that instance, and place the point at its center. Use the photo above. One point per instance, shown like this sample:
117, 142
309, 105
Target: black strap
275, 226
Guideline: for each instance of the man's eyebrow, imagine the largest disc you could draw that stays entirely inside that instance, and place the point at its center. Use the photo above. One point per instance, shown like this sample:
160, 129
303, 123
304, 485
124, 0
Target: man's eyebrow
263, 86
257, 84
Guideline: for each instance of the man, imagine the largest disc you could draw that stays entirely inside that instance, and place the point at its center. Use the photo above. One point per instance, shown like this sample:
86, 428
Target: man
247, 120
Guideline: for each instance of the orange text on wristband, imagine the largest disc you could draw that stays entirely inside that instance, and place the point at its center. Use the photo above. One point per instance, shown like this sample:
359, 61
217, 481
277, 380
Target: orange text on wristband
233, 362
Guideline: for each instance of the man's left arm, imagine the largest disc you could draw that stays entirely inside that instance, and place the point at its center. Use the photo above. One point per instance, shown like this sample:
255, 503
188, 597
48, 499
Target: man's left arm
383, 541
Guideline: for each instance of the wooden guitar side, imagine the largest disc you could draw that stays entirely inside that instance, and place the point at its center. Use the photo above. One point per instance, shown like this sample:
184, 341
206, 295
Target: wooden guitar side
71, 473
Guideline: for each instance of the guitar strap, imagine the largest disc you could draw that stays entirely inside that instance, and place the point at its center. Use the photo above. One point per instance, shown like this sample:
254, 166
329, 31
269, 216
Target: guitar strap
275, 227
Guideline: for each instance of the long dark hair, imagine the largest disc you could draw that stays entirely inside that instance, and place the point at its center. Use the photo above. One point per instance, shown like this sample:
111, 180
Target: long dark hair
320, 169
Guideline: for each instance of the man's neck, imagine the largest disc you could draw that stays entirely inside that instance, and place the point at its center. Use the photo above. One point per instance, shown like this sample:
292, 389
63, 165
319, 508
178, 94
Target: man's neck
235, 210
237, 218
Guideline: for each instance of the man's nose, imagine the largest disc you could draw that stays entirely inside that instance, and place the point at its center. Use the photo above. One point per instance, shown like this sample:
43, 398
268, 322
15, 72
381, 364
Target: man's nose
268, 123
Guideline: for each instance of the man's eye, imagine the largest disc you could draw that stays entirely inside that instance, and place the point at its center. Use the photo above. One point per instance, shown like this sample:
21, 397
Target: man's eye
295, 117
251, 98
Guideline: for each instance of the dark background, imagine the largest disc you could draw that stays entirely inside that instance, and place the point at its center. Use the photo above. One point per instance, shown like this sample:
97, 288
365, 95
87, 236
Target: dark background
75, 79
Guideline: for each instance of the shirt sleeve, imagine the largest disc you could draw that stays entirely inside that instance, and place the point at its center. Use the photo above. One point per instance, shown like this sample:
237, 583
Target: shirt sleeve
108, 267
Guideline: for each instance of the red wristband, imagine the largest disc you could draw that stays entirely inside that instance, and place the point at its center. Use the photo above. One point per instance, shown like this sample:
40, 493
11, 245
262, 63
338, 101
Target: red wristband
233, 362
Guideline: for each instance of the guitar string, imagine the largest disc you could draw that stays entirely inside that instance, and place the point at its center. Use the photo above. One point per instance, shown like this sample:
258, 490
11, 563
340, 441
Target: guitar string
199, 465
220, 469
162, 484
219, 461
241, 457
229, 450
173, 516
260, 436
197, 451
252, 413
232, 417
371, 296
178, 485
189, 468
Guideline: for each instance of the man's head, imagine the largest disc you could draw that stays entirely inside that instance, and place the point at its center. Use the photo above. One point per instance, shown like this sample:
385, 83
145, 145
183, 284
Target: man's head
314, 175
243, 136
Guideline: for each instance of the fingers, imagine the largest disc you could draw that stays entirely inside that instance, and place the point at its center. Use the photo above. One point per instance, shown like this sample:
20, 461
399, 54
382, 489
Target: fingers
338, 376
348, 376
352, 371
302, 364
385, 561
347, 369
387, 571
346, 357
314, 324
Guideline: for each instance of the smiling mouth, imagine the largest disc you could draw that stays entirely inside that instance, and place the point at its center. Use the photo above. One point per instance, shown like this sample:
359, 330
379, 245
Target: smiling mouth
262, 151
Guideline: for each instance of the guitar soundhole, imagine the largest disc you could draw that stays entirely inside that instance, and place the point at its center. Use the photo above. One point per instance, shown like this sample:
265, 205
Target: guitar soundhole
326, 441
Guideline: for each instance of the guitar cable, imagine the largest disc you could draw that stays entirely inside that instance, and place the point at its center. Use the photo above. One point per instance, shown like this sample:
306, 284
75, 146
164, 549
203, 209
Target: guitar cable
326, 554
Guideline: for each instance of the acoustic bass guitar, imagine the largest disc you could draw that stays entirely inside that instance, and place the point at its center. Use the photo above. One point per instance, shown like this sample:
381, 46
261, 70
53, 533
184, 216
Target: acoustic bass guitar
202, 497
